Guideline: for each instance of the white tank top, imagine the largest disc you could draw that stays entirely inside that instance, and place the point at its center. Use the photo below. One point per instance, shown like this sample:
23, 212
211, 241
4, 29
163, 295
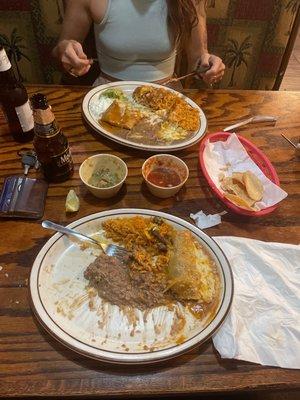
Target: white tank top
133, 40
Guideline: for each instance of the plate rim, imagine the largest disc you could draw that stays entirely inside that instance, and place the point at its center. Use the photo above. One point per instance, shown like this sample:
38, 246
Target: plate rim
158, 148
129, 358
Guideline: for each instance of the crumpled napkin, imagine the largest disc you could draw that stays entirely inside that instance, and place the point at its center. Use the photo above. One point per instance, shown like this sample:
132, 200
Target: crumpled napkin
263, 325
232, 154
204, 221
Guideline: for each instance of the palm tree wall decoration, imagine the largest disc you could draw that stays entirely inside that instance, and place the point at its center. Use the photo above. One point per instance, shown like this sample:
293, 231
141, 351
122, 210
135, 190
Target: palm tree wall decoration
292, 7
236, 54
14, 49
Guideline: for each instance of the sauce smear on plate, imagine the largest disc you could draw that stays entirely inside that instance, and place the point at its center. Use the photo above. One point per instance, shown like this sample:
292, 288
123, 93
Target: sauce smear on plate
164, 177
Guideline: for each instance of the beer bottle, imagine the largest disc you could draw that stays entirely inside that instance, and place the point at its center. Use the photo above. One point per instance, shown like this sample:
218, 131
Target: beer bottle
14, 102
50, 144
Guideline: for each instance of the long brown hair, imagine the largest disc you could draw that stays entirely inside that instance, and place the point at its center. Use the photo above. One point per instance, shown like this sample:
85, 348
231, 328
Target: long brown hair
183, 17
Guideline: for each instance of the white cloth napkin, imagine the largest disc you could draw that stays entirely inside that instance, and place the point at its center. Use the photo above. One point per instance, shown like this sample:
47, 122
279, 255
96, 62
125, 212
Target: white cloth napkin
263, 325
232, 154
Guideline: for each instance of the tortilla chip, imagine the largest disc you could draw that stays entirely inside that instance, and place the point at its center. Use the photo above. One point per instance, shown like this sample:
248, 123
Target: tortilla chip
227, 183
238, 189
238, 176
253, 186
238, 201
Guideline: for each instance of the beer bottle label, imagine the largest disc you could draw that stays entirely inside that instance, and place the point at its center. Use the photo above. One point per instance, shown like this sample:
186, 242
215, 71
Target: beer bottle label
5, 64
25, 116
59, 165
63, 159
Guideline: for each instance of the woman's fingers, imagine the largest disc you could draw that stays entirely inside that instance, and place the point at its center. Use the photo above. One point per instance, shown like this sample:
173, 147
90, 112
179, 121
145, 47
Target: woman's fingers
79, 50
217, 77
75, 71
216, 71
72, 57
215, 68
74, 60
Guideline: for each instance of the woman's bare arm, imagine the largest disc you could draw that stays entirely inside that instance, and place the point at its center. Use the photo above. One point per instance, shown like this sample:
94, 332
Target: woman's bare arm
77, 20
197, 51
198, 43
79, 15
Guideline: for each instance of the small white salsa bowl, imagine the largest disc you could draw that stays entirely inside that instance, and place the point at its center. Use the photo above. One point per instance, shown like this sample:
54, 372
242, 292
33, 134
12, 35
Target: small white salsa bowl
100, 162
164, 174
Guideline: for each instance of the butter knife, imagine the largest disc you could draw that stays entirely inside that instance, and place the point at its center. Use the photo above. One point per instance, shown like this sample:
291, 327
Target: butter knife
257, 118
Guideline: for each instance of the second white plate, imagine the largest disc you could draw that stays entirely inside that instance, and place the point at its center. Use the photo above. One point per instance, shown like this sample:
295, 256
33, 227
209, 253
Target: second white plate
92, 107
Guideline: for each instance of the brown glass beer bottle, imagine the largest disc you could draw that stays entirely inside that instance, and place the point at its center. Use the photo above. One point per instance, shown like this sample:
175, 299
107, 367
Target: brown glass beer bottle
50, 144
14, 104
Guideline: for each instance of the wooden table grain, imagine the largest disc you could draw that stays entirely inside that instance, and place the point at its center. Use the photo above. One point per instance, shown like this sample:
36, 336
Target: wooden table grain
32, 363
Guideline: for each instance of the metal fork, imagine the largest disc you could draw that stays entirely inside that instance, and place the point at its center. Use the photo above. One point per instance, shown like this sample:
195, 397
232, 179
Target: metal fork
198, 71
111, 250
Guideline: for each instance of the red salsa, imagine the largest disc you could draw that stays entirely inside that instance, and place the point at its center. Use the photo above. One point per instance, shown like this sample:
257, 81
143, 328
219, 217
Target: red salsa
164, 177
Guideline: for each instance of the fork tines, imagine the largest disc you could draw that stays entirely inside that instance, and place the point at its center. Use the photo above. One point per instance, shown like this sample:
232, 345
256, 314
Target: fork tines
117, 251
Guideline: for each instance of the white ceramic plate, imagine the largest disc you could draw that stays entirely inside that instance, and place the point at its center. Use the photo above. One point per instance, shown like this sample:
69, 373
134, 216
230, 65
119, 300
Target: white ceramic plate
92, 108
102, 331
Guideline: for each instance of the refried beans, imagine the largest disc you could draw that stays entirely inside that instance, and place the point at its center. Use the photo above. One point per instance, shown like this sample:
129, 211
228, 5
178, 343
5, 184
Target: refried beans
119, 285
166, 266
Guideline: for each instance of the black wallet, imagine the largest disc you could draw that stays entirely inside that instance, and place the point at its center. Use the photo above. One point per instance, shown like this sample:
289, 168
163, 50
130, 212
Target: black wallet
23, 197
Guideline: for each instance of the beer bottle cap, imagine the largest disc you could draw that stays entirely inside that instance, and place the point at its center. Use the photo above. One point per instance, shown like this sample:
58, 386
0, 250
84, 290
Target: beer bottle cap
39, 101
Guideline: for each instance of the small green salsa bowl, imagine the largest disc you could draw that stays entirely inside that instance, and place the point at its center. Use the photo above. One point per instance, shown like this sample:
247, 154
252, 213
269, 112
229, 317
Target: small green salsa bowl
103, 174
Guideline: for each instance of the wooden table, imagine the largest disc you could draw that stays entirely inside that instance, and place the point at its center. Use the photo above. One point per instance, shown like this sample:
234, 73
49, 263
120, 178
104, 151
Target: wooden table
32, 363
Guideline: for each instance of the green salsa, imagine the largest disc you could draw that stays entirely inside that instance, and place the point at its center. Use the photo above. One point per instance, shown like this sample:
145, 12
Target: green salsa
114, 94
103, 178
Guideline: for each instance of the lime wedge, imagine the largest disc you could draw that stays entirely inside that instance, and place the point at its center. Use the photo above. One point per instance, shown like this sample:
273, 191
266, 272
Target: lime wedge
72, 202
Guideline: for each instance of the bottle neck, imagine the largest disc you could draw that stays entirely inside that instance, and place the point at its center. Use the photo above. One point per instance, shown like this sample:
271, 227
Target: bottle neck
44, 122
43, 117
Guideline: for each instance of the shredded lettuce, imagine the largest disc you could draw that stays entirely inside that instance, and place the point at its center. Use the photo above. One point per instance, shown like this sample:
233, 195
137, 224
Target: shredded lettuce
114, 94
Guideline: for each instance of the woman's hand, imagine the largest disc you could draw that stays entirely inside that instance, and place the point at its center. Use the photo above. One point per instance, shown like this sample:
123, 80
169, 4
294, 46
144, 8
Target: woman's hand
215, 68
72, 57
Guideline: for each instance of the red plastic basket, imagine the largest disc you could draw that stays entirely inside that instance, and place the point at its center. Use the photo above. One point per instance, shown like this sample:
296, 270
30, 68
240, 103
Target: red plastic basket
257, 156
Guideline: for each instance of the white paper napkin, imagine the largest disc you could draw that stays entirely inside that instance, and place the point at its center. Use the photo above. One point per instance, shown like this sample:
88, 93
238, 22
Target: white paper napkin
204, 221
263, 325
233, 154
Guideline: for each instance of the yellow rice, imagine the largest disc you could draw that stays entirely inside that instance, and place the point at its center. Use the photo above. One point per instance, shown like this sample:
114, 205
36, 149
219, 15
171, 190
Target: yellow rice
134, 234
